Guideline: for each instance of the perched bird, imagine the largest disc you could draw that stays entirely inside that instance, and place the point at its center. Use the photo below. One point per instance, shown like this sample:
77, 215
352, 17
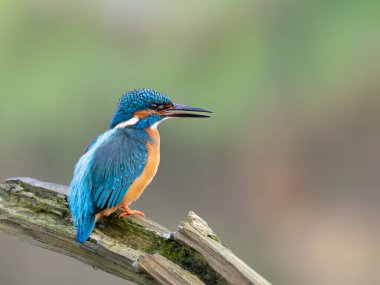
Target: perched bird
119, 164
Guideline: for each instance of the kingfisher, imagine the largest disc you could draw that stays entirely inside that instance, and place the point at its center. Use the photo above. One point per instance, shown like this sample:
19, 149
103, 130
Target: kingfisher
119, 164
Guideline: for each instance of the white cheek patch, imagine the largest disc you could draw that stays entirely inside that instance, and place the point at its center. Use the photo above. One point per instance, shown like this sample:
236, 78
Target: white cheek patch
130, 122
155, 125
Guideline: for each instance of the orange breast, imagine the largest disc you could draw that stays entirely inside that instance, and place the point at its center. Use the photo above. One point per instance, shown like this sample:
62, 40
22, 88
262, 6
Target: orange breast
139, 185
149, 171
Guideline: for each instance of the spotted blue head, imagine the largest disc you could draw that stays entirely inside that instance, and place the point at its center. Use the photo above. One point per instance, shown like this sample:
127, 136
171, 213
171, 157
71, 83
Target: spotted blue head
144, 108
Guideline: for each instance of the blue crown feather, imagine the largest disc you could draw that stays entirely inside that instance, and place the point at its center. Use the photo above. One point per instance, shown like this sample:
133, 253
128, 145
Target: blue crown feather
136, 100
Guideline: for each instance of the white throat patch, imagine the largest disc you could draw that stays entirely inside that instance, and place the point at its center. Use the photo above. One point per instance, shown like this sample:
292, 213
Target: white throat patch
130, 122
155, 125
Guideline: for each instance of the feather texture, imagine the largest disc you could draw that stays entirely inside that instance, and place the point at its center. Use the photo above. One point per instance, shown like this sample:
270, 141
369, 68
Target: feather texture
116, 165
104, 174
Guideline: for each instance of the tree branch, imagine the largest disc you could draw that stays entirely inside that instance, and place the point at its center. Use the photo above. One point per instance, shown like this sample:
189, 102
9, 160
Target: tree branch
133, 248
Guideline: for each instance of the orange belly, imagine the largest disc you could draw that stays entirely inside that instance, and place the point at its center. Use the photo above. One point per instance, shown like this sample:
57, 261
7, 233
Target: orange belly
139, 185
149, 171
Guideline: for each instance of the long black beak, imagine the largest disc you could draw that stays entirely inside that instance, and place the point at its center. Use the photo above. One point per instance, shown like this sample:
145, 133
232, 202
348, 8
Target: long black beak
178, 111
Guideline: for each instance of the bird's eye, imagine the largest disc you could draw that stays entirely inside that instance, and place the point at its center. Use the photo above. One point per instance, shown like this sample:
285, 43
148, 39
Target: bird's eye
153, 106
157, 107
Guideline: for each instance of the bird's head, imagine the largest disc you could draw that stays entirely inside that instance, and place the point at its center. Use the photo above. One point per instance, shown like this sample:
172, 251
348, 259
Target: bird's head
144, 108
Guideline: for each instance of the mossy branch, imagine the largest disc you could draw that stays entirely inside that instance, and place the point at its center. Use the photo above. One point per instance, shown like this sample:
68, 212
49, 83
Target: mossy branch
133, 248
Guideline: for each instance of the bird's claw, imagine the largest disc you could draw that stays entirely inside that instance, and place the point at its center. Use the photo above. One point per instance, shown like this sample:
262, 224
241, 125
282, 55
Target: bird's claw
131, 212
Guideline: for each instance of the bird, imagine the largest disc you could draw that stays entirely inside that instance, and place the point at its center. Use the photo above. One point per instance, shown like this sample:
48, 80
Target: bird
119, 164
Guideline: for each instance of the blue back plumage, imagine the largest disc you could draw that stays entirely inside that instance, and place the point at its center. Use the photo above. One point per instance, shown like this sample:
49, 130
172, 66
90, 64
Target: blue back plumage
116, 165
104, 173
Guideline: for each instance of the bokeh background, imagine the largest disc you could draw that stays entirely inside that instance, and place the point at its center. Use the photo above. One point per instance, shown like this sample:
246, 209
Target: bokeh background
286, 171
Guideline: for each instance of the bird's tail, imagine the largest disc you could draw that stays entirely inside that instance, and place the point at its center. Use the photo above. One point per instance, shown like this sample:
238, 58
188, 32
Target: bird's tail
85, 228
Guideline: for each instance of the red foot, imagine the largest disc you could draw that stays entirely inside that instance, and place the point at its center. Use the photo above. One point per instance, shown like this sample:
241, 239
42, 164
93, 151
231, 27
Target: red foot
131, 212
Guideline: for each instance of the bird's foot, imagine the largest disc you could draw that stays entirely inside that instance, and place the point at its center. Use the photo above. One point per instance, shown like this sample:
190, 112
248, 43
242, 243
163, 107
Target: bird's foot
131, 212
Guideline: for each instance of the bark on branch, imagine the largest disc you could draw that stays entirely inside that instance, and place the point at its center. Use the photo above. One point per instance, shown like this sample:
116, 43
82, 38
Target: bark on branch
133, 248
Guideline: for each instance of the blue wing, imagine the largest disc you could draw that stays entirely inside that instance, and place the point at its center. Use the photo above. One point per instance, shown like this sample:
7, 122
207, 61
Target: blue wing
104, 174
116, 165
92, 143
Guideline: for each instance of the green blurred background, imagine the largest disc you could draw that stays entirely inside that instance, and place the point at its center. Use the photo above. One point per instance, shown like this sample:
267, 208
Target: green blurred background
286, 171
